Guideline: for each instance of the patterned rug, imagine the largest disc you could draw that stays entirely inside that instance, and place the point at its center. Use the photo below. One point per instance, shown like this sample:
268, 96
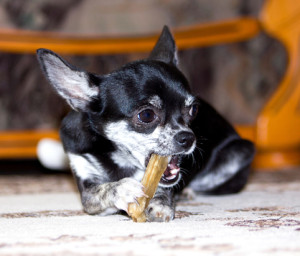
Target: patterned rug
42, 215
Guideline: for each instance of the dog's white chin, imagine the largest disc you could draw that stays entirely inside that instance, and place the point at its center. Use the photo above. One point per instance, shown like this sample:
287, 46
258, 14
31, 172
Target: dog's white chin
173, 184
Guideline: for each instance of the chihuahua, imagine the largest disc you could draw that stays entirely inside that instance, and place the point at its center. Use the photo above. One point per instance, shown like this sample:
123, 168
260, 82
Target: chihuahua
119, 119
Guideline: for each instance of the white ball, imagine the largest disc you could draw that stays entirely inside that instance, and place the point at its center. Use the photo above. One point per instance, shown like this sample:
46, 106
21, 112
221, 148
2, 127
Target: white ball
51, 154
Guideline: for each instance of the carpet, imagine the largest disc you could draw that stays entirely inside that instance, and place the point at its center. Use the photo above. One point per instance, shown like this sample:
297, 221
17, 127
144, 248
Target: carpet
42, 215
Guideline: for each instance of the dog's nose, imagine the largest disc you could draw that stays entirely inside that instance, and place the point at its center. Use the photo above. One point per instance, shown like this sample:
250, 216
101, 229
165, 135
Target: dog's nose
185, 139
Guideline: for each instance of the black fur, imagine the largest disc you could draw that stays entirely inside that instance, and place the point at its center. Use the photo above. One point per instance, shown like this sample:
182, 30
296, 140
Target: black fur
155, 88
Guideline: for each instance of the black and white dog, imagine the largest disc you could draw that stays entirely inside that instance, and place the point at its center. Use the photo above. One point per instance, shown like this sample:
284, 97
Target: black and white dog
119, 119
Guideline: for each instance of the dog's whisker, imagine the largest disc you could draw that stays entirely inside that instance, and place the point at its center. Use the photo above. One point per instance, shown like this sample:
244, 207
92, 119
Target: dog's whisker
185, 171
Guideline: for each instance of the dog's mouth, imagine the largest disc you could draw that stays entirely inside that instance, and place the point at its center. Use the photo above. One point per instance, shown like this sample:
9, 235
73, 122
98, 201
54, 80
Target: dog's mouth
172, 173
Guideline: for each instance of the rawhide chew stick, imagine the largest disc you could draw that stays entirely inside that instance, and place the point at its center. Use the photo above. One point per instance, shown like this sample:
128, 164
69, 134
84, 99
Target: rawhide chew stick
155, 169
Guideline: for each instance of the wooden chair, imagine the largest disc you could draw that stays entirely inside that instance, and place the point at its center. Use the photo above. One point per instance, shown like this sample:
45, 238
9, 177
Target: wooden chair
276, 132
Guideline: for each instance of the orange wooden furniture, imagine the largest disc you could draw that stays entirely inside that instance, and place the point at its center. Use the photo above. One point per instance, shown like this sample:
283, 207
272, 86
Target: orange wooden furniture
22, 144
276, 132
20, 41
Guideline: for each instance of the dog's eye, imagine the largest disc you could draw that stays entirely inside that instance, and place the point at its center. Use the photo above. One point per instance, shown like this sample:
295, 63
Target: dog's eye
193, 110
147, 116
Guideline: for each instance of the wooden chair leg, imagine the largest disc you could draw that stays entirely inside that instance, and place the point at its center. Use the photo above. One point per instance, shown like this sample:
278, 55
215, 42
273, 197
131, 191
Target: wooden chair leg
278, 125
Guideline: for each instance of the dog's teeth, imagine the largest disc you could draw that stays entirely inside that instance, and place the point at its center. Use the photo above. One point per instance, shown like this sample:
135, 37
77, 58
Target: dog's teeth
175, 171
171, 177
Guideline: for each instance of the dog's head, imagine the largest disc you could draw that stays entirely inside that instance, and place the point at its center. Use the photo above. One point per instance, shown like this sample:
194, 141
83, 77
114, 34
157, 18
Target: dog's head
143, 108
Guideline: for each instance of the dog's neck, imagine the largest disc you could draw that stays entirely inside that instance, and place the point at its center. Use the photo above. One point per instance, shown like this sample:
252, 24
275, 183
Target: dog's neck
125, 159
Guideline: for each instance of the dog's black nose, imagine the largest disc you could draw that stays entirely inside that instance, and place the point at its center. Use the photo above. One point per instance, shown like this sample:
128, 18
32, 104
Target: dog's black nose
185, 139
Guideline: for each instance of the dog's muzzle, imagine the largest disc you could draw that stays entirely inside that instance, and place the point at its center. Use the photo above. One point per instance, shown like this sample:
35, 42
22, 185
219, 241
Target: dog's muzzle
184, 140
185, 143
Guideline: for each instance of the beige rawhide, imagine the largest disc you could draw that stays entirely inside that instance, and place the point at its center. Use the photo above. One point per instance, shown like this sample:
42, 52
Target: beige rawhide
155, 169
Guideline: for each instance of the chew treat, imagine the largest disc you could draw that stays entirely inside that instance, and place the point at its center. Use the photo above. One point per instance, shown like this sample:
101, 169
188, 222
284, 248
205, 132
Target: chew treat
155, 169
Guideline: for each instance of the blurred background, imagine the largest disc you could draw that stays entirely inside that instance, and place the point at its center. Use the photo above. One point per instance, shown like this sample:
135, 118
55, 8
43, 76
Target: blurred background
236, 78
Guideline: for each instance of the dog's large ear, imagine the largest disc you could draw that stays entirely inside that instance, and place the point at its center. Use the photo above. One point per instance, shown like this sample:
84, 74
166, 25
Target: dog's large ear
72, 84
165, 48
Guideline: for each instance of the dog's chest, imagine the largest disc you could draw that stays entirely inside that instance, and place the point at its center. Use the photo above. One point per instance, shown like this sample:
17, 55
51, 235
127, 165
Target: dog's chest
126, 161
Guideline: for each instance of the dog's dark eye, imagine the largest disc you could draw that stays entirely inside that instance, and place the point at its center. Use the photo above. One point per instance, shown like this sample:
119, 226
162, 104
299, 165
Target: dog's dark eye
147, 116
193, 110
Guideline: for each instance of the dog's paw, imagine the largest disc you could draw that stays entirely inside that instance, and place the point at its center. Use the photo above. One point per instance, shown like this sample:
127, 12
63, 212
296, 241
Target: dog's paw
127, 191
158, 212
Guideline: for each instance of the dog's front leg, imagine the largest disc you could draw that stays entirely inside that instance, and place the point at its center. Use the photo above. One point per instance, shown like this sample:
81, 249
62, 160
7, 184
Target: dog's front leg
162, 206
100, 194
110, 197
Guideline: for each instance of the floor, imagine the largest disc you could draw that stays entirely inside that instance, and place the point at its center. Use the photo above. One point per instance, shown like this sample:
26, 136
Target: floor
40, 214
